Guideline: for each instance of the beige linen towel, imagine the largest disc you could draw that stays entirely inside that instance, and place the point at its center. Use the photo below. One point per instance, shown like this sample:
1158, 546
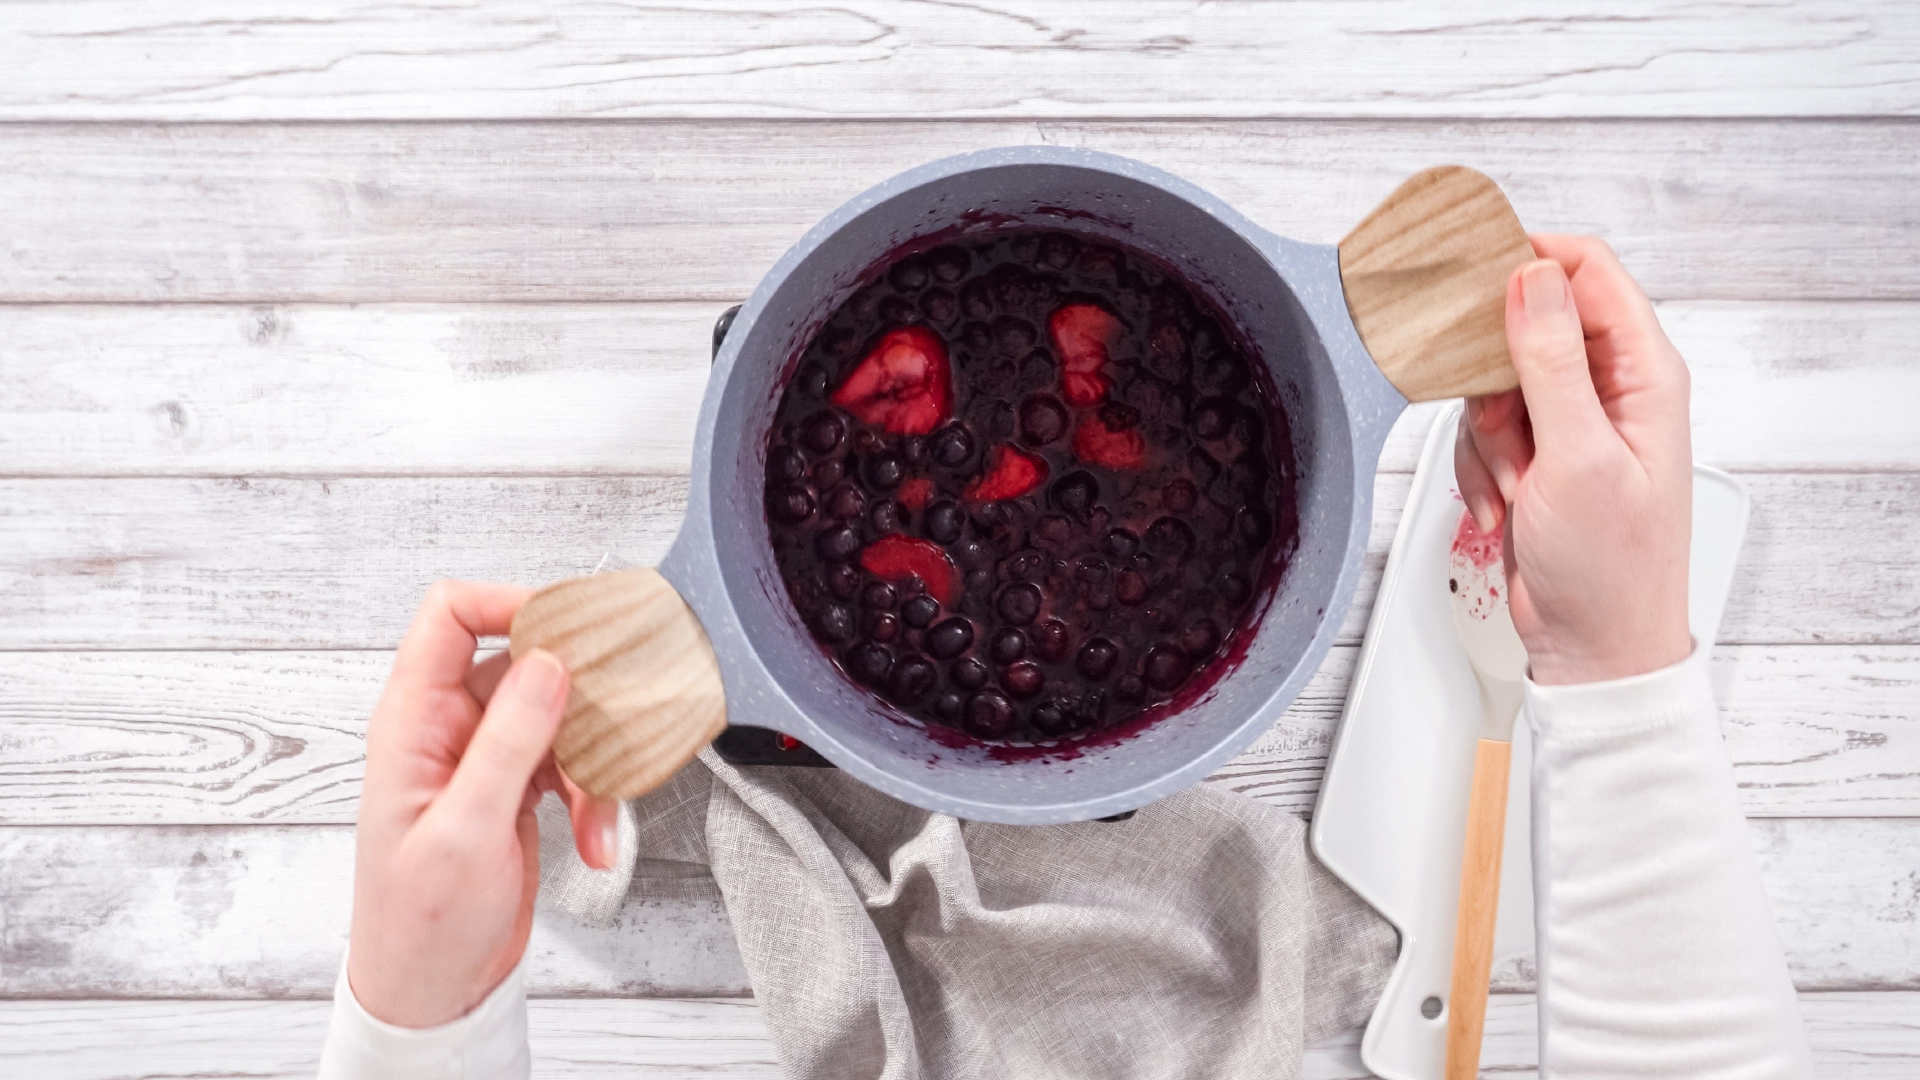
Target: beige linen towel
1198, 939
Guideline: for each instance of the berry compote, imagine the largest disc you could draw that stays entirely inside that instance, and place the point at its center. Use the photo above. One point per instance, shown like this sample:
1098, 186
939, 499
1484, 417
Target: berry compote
1025, 486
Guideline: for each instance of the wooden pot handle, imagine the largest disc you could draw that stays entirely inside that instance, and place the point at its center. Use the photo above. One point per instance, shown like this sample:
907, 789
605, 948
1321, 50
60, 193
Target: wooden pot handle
646, 690
1426, 281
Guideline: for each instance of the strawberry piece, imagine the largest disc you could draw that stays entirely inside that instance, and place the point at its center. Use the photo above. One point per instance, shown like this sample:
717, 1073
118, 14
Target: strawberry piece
1011, 473
1082, 335
913, 494
904, 386
895, 557
1097, 444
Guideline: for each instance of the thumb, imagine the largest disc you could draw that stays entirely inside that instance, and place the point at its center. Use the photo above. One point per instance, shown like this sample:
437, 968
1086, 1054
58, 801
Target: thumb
512, 740
1550, 354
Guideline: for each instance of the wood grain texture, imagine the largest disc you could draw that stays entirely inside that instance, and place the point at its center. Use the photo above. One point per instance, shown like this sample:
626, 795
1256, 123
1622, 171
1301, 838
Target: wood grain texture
517, 389
1466, 1004
224, 59
377, 213
646, 693
260, 911
1425, 275
227, 738
310, 563
1855, 1036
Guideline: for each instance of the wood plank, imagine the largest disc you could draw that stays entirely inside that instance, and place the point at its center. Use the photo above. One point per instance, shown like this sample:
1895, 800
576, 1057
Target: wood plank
378, 213
318, 564
1855, 1036
228, 738
261, 911
708, 58
514, 389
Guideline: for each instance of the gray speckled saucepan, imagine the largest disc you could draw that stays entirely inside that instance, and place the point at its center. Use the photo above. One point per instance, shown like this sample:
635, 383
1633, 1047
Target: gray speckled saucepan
1288, 300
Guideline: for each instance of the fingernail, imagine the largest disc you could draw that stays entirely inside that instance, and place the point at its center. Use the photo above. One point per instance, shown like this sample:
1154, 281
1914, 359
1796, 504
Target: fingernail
609, 844
540, 680
1544, 288
1486, 514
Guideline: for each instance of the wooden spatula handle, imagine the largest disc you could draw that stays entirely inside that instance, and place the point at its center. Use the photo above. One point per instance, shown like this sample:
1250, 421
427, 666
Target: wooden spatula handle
646, 686
1426, 282
1479, 903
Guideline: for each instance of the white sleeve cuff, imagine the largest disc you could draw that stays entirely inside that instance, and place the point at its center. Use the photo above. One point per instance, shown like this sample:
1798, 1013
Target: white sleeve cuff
489, 1043
1616, 707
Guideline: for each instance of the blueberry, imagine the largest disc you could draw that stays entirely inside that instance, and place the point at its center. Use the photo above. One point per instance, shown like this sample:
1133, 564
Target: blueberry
989, 714
1049, 640
1075, 493
1118, 417
949, 264
952, 445
869, 662
897, 310
911, 679
785, 465
1097, 658
886, 517
1023, 680
828, 473
1042, 419
790, 503
944, 521
1057, 251
844, 580
1129, 588
1211, 417
1199, 639
822, 432
939, 306
878, 595
973, 553
976, 300
1170, 538
909, 274
834, 622
1130, 689
1024, 566
1014, 337
1165, 667
1121, 543
882, 626
838, 544
968, 674
867, 441
1253, 526
949, 706
812, 379
846, 502
1050, 719
1179, 496
883, 471
950, 637
1052, 531
1234, 587
1008, 645
1090, 569
920, 611
1019, 604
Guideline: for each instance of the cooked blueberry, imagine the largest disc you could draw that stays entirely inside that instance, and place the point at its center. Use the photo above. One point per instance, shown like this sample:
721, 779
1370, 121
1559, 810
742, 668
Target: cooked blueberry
1097, 658
1115, 416
949, 707
1024, 566
838, 544
951, 445
1014, 337
887, 516
909, 274
878, 595
1129, 688
974, 553
785, 465
1165, 667
976, 300
846, 502
843, 581
896, 310
1234, 588
1043, 419
944, 521
1057, 251
1052, 531
828, 473
1121, 543
1179, 496
1129, 587
939, 306
1170, 538
989, 714
833, 622
912, 677
1050, 719
1008, 645
1199, 639
822, 432
1023, 680
882, 626
1019, 604
919, 612
968, 674
1253, 526
869, 662
812, 379
790, 503
883, 471
1048, 640
1211, 416
949, 264
1075, 493
950, 637
866, 441
1090, 569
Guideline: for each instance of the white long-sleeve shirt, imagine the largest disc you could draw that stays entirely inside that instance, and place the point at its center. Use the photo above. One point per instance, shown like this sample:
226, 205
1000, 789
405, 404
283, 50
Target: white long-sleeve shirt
1657, 954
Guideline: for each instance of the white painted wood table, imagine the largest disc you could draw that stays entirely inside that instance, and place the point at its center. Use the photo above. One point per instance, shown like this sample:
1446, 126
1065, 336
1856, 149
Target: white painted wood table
301, 309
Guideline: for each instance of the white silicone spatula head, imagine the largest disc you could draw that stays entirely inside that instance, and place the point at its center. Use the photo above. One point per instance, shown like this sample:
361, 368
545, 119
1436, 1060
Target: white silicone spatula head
1477, 578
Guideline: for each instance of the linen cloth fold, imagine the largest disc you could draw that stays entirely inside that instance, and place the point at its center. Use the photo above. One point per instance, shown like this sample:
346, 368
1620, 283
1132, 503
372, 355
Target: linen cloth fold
1197, 939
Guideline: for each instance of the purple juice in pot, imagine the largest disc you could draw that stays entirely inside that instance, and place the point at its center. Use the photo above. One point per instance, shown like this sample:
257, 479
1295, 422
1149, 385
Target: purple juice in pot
1025, 486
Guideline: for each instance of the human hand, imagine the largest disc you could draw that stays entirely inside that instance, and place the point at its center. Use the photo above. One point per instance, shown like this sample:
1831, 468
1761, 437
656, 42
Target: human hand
1588, 468
447, 851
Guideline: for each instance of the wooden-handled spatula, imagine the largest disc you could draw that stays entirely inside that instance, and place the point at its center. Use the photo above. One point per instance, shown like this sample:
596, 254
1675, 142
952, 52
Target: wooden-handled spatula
1477, 577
